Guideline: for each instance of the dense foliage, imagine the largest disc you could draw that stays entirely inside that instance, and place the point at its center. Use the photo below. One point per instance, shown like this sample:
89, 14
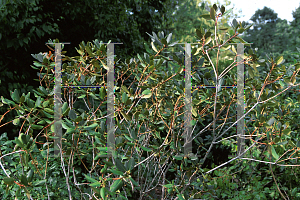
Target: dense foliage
149, 137
27, 25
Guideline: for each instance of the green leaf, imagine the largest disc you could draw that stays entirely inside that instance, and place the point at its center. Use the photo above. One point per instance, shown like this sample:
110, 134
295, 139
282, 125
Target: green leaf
69, 131
92, 126
6, 101
282, 143
251, 73
15, 96
222, 9
146, 149
169, 38
241, 30
16, 121
274, 154
281, 83
22, 99
8, 180
194, 112
146, 93
227, 12
46, 103
80, 97
147, 48
116, 185
207, 34
212, 13
88, 49
297, 66
199, 33
24, 180
286, 131
248, 27
37, 127
164, 41
102, 93
153, 47
78, 119
125, 89
178, 157
129, 138
102, 193
215, 7
19, 143
48, 110
140, 58
133, 181
180, 197
133, 134
23, 138
234, 22
93, 96
72, 114
168, 186
43, 90
38, 102
40, 182
271, 121
233, 49
117, 172
119, 165
64, 107
207, 40
124, 97
131, 164
30, 175
90, 179
125, 116
96, 184
279, 60
206, 17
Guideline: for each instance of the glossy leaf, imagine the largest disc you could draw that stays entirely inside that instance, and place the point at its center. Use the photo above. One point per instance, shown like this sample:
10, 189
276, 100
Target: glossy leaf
146, 93
116, 172
24, 180
274, 154
145, 148
234, 22
222, 10
131, 164
8, 180
153, 47
124, 97
120, 165
169, 38
116, 185
227, 12
15, 96
241, 30
279, 60
92, 126
72, 114
90, 179
125, 116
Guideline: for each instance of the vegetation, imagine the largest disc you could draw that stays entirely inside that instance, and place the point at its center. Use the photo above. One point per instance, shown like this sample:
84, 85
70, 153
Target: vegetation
27, 25
149, 161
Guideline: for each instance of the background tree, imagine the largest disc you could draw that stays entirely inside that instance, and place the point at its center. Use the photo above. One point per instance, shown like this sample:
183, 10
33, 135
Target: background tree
186, 19
269, 33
